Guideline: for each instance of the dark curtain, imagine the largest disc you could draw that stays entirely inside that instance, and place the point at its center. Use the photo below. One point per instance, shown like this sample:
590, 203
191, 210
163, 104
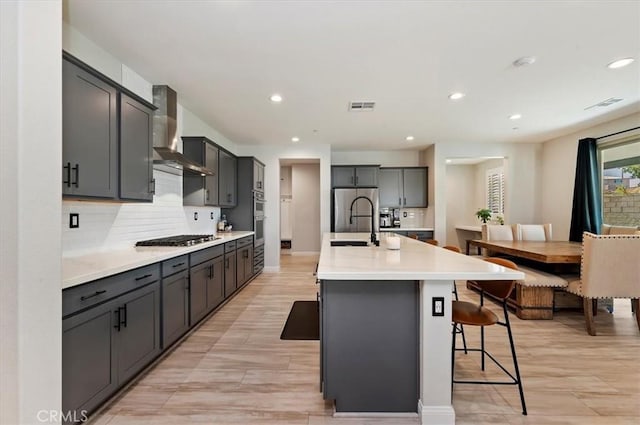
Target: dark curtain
587, 199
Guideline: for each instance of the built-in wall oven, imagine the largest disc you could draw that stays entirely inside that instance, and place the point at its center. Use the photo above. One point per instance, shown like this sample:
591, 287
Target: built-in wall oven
258, 218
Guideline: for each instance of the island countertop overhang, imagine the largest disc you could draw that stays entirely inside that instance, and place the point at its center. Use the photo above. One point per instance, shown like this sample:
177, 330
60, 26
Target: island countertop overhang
415, 260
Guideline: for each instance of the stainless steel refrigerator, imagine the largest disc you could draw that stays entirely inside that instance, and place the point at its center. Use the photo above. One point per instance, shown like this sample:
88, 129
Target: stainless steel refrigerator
361, 211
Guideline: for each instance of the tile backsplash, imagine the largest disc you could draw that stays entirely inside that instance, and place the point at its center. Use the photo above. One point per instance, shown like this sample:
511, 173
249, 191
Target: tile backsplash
415, 217
107, 226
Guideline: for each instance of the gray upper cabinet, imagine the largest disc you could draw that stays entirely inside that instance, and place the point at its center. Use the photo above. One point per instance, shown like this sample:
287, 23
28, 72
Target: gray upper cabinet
228, 166
198, 190
403, 187
258, 176
136, 144
354, 176
390, 185
89, 133
105, 154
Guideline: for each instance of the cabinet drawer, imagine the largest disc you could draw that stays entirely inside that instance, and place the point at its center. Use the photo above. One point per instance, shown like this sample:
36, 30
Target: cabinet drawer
206, 254
247, 240
81, 297
230, 246
175, 265
258, 250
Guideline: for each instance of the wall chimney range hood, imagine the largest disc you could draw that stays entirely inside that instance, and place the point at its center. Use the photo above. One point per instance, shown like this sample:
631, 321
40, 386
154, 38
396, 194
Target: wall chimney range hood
165, 139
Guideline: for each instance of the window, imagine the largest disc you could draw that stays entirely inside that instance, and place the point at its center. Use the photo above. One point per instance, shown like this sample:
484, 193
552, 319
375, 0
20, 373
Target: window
495, 190
620, 171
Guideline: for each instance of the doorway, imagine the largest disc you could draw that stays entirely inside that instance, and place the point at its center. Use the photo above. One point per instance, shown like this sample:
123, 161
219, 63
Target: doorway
300, 232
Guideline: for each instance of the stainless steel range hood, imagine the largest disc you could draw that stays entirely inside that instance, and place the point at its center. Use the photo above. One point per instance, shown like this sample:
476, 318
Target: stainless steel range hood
165, 139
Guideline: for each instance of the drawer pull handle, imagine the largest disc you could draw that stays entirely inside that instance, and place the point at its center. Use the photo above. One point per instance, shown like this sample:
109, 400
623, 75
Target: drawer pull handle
178, 265
95, 294
67, 180
144, 277
117, 325
123, 322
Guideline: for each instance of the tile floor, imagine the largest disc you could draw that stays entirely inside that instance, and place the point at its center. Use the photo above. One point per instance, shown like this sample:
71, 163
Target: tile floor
235, 370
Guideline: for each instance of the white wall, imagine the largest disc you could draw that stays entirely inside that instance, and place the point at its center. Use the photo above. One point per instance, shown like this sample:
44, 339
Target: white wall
305, 189
405, 158
522, 172
461, 203
558, 171
270, 156
30, 193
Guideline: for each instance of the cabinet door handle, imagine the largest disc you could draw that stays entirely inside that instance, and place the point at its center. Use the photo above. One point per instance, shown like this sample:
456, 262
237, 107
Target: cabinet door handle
356, 180
405, 201
226, 263
206, 192
399, 201
123, 320
178, 265
117, 325
144, 277
351, 180
228, 197
245, 253
153, 186
77, 171
95, 294
67, 168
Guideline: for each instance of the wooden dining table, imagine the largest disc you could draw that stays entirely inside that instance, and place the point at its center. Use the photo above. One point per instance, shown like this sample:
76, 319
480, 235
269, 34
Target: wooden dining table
549, 252
557, 257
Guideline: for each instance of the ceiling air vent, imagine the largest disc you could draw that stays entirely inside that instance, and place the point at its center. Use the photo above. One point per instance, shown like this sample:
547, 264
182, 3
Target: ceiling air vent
361, 106
604, 103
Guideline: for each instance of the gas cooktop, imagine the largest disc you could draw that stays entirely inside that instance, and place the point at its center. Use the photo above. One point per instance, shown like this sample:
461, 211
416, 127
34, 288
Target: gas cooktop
178, 240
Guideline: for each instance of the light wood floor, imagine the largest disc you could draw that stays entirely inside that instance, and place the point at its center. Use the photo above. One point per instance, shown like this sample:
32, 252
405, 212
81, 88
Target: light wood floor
235, 369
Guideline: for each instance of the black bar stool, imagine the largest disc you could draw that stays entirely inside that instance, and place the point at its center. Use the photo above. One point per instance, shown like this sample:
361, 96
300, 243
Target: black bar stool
466, 313
459, 328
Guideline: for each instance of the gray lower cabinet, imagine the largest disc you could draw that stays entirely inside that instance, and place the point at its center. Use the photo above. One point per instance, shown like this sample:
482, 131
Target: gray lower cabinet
206, 282
229, 273
175, 307
89, 134
244, 261
136, 144
369, 345
106, 344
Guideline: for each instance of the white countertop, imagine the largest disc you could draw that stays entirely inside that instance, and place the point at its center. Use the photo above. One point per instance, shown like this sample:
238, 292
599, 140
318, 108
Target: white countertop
406, 229
470, 228
85, 268
415, 260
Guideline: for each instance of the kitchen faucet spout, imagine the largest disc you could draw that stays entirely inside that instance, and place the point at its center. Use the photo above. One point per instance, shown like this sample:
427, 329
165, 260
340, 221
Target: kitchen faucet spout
373, 227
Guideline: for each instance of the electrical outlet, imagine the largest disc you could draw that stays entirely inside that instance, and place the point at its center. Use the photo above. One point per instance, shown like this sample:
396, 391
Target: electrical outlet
74, 220
195, 216
211, 215
437, 306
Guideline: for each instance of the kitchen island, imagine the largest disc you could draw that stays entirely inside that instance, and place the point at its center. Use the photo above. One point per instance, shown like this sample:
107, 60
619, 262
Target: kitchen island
385, 325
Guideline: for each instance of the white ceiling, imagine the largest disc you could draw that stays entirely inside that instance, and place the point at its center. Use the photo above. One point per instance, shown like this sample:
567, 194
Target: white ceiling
226, 58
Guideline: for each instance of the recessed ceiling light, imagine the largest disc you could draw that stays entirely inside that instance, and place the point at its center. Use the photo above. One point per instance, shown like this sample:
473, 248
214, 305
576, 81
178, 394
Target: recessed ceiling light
276, 98
524, 61
295, 139
448, 161
409, 138
456, 96
620, 63
515, 117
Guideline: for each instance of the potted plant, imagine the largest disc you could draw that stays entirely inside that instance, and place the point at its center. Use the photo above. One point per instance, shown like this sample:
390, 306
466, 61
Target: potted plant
484, 214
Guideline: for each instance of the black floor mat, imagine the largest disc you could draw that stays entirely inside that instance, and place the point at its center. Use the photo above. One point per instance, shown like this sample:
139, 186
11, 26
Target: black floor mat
302, 323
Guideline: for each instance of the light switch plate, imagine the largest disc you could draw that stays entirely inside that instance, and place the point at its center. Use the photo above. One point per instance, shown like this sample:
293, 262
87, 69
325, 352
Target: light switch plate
437, 306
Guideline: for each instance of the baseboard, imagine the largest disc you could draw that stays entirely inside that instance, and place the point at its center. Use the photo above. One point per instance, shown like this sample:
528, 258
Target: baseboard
436, 415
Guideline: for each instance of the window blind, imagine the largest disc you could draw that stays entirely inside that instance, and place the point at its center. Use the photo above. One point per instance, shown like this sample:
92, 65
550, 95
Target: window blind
495, 191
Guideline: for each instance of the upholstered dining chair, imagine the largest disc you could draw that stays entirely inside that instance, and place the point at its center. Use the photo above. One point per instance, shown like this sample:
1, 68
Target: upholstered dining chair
472, 314
532, 232
497, 232
610, 268
619, 230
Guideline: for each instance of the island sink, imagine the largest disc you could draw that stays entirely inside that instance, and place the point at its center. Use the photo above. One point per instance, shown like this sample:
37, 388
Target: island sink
357, 242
